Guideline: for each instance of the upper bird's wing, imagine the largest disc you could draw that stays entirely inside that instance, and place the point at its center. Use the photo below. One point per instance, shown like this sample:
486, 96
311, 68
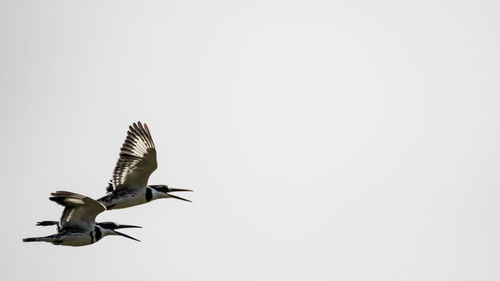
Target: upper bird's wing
79, 212
137, 159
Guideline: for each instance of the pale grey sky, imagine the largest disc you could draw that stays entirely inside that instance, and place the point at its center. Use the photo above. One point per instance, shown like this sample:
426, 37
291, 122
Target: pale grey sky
326, 140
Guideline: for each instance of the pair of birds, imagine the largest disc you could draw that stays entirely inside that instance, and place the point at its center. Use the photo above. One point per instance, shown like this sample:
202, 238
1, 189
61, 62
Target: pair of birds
127, 188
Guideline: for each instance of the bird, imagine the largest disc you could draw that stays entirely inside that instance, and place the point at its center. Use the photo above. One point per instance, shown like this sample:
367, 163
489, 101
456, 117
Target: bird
129, 184
77, 226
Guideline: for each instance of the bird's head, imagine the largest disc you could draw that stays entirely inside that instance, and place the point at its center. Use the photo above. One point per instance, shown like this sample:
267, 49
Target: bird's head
109, 228
163, 191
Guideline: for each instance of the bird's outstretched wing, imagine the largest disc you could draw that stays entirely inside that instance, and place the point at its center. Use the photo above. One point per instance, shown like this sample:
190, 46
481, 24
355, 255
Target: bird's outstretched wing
137, 159
79, 212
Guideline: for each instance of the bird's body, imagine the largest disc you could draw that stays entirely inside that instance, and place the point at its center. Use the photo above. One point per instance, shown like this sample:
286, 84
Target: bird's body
127, 197
137, 161
77, 226
70, 237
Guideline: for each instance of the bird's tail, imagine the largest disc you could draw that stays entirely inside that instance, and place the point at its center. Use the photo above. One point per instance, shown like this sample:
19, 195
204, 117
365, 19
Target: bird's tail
51, 239
35, 239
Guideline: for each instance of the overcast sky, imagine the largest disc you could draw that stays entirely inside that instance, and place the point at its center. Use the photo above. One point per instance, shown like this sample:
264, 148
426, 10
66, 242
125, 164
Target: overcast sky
325, 140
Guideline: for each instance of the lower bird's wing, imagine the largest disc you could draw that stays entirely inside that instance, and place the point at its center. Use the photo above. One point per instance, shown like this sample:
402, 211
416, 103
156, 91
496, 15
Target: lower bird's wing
79, 212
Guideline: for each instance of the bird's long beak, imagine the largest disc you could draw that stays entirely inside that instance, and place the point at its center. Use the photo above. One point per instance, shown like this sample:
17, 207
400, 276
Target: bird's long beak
127, 226
178, 190
125, 235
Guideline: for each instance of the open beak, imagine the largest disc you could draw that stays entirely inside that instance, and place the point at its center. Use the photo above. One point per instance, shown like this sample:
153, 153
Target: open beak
127, 226
178, 190
125, 235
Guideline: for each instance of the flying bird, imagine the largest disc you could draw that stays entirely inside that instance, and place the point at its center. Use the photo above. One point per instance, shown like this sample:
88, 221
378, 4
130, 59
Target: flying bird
129, 184
77, 226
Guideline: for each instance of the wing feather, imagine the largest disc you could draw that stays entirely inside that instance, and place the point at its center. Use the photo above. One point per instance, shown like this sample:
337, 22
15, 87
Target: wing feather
79, 212
137, 159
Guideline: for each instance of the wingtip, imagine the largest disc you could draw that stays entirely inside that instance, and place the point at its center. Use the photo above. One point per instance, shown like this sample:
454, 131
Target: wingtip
59, 195
110, 187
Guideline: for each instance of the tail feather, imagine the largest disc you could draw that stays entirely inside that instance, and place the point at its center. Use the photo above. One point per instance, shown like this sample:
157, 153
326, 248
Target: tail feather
34, 239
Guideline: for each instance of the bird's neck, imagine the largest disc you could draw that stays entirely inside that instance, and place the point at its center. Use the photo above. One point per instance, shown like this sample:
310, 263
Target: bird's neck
100, 232
152, 194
